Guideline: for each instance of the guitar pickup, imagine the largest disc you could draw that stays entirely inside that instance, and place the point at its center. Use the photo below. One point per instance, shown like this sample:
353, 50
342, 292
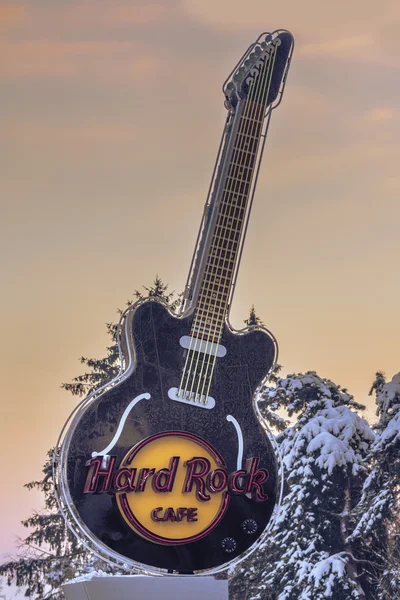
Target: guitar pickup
199, 345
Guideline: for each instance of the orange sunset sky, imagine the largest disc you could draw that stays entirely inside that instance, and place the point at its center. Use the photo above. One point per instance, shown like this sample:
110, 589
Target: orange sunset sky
111, 116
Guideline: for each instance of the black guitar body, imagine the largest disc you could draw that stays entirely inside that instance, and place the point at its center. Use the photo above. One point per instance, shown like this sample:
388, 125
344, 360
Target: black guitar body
168, 467
158, 363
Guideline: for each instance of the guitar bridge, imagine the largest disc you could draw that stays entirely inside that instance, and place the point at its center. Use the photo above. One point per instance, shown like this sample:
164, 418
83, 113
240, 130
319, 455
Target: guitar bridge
191, 398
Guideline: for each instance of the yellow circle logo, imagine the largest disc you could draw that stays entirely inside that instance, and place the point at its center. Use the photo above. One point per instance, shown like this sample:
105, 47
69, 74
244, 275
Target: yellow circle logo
171, 488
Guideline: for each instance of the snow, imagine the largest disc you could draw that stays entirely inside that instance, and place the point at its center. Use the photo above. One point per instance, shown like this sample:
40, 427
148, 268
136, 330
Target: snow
326, 572
336, 436
328, 450
390, 435
91, 575
390, 393
326, 444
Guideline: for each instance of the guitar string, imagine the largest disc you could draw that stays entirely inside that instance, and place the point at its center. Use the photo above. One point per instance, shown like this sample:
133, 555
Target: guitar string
269, 79
227, 217
212, 262
200, 317
221, 264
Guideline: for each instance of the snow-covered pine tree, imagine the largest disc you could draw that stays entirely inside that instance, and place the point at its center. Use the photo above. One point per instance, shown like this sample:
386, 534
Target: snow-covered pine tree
306, 555
51, 555
378, 513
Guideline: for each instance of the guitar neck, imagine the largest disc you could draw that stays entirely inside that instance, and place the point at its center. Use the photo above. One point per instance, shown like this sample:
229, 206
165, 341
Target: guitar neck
253, 91
235, 188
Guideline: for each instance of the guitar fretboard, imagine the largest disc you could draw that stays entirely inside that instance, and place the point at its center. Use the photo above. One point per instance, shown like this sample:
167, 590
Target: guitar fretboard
220, 264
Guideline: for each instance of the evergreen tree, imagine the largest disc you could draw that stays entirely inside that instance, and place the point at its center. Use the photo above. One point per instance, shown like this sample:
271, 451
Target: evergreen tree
307, 555
253, 319
377, 516
51, 555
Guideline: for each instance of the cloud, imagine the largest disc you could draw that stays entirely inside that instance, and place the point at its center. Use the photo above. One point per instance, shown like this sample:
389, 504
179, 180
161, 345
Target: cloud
91, 19
380, 114
11, 14
358, 31
306, 18
59, 59
338, 47
328, 164
41, 133
126, 14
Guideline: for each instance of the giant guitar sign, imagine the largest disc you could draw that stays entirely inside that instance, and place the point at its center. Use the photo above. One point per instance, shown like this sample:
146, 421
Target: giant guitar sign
169, 467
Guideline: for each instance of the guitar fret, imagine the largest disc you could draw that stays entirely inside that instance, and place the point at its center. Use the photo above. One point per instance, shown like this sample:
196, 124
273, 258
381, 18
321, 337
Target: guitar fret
254, 137
239, 172
243, 118
221, 265
215, 256
213, 295
206, 322
212, 314
201, 330
214, 277
249, 143
226, 225
220, 306
242, 167
224, 291
209, 323
250, 129
247, 160
227, 240
218, 283
221, 229
219, 271
229, 219
244, 151
209, 318
198, 333
219, 278
234, 195
209, 331
227, 228
237, 209
216, 253
243, 186
236, 179
214, 272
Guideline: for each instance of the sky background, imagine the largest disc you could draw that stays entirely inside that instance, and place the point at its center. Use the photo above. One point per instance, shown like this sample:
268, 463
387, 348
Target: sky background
111, 117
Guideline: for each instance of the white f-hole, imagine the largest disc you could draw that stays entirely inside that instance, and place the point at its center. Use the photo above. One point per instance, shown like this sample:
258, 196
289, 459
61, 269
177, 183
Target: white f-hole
121, 425
240, 440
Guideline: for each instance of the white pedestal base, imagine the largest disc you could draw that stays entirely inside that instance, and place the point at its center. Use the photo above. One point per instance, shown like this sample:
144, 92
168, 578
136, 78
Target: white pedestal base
140, 587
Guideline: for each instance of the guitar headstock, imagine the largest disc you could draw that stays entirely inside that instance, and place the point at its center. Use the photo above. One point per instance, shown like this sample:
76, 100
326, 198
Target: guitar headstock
261, 72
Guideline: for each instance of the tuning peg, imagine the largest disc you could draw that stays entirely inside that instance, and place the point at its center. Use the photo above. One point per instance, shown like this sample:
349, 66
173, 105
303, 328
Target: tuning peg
230, 86
268, 38
247, 63
238, 76
277, 42
257, 51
